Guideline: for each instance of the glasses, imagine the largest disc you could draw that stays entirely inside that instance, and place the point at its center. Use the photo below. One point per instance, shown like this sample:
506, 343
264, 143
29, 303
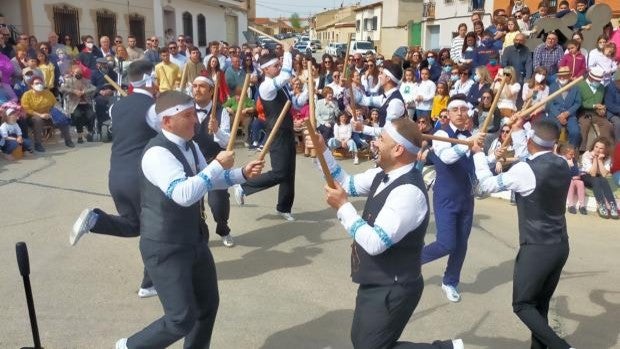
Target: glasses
326, 62
519, 17
371, 66
485, 97
118, 41
505, 131
444, 116
464, 74
357, 59
421, 121
172, 48
179, 40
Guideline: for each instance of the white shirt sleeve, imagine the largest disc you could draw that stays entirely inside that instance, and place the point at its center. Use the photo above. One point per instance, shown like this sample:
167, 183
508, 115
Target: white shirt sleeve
519, 144
357, 185
163, 170
269, 88
447, 152
222, 136
152, 120
372, 131
519, 177
395, 109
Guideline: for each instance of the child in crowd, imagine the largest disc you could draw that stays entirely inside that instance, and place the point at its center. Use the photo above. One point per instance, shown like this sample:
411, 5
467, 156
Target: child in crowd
424, 92
493, 65
407, 89
577, 187
343, 132
11, 135
440, 101
360, 139
596, 167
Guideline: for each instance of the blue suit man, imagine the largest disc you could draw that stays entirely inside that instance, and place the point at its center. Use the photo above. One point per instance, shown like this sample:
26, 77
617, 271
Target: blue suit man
612, 102
563, 109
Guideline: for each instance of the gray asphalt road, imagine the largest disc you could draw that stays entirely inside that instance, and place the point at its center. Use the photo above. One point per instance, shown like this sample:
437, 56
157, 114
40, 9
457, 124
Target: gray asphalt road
285, 285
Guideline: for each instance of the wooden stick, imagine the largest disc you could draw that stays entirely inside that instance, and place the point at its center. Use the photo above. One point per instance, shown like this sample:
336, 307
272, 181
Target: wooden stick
265, 34
311, 94
274, 131
491, 114
115, 85
237, 120
345, 65
509, 135
319, 155
551, 97
446, 139
214, 100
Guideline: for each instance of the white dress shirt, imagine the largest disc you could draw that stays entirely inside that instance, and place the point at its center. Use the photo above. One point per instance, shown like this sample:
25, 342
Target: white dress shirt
222, 136
461, 87
268, 90
179, 60
403, 211
163, 170
426, 89
395, 109
449, 153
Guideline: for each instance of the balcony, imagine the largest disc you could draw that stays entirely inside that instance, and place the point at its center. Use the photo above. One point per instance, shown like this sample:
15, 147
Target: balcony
428, 10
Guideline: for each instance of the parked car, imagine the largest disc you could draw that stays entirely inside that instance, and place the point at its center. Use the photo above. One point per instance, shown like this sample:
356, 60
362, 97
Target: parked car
303, 47
269, 44
340, 50
317, 44
361, 47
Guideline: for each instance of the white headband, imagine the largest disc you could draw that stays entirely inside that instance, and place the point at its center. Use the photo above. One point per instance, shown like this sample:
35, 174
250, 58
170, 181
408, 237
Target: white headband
204, 79
391, 130
176, 109
539, 141
147, 80
390, 75
9, 111
269, 63
457, 103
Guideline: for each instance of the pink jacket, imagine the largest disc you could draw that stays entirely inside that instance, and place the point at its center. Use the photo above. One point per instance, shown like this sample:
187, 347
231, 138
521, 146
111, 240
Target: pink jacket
615, 38
576, 64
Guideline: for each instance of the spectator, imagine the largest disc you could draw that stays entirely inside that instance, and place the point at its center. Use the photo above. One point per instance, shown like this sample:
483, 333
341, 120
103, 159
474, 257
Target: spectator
596, 167
182, 45
414, 61
478, 31
468, 52
121, 62
6, 69
48, 70
482, 83
78, 94
456, 47
6, 92
446, 70
507, 103
576, 191
6, 43
175, 56
548, 54
326, 113
70, 46
134, 53
486, 50
577, 36
563, 109
235, 76
519, 57
214, 50
604, 58
24, 85
424, 92
534, 91
327, 68
500, 161
582, 21
440, 101
343, 132
612, 103
407, 91
433, 66
64, 62
493, 65
359, 63
523, 19
513, 30
592, 108
52, 39
615, 166
543, 10
38, 103
463, 85
105, 47
217, 75
87, 55
482, 112
11, 134
574, 59
152, 52
370, 78
167, 73
194, 67
20, 61
337, 87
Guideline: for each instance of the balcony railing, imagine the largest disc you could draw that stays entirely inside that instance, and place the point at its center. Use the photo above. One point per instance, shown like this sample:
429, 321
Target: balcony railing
428, 10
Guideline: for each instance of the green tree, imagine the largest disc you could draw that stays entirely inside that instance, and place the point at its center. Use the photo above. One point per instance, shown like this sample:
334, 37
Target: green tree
295, 21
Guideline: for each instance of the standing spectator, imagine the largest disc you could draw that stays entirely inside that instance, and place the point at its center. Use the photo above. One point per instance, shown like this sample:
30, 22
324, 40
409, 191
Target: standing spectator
482, 83
235, 76
217, 75
70, 46
167, 73
87, 55
182, 45
596, 166
434, 67
20, 61
519, 57
592, 108
193, 68
612, 103
48, 70
175, 56
78, 94
214, 50
440, 101
463, 85
134, 53
548, 54
424, 92
327, 68
486, 50
52, 39
513, 30
359, 63
507, 103
563, 109
573, 59
605, 60
370, 78
456, 46
407, 90
6, 43
152, 52
121, 61
105, 47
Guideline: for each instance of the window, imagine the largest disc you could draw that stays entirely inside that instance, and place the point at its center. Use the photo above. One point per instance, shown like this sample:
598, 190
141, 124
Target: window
66, 22
188, 28
370, 24
202, 30
106, 24
357, 25
136, 28
374, 23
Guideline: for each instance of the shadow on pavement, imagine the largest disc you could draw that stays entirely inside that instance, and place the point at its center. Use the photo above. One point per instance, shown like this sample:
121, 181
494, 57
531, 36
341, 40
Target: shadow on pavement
472, 338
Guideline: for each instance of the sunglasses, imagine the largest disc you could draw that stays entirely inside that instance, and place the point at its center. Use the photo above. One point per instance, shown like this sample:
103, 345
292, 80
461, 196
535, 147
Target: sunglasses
330, 62
485, 97
444, 116
505, 131
118, 41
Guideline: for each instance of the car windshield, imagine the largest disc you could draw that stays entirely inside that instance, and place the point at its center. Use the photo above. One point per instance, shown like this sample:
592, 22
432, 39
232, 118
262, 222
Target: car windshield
364, 45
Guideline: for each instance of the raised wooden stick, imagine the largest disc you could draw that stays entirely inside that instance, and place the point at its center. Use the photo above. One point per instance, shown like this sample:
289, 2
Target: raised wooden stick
491, 114
509, 135
237, 119
265, 34
551, 97
311, 95
214, 100
274, 131
319, 155
115, 85
345, 65
446, 139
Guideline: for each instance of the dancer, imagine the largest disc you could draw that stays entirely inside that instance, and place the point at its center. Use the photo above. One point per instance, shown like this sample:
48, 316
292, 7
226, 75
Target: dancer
212, 137
453, 199
541, 185
174, 236
387, 237
282, 153
134, 126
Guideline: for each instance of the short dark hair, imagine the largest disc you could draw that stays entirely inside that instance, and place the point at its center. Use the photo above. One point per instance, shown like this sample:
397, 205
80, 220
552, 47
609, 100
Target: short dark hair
137, 69
548, 130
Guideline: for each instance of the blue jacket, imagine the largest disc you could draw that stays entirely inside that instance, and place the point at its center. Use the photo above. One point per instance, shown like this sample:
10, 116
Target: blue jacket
612, 99
571, 103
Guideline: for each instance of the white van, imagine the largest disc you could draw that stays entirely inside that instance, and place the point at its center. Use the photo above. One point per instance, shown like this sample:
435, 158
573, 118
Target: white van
361, 47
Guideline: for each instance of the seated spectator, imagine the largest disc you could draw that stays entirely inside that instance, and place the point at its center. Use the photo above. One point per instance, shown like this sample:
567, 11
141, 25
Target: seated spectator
486, 50
88, 55
70, 46
500, 159
534, 91
6, 69
507, 103
576, 191
440, 101
548, 54
563, 109
20, 61
493, 65
38, 103
582, 21
78, 95
469, 50
370, 78
342, 136
433, 65
482, 83
64, 63
519, 57
6, 92
11, 134
326, 113
574, 59
464, 84
612, 103
481, 112
512, 28
596, 167
592, 109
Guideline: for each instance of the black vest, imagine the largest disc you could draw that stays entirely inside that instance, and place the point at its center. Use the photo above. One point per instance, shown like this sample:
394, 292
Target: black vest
383, 110
401, 262
273, 109
131, 133
161, 218
207, 145
541, 214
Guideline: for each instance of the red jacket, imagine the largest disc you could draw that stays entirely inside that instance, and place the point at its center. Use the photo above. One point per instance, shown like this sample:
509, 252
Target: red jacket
615, 162
576, 64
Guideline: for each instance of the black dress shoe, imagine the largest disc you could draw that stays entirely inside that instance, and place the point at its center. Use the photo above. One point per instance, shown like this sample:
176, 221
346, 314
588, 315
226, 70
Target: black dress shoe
89, 137
69, 143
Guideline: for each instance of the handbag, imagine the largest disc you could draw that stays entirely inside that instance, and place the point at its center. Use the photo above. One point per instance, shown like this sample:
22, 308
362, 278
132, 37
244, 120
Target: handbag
59, 118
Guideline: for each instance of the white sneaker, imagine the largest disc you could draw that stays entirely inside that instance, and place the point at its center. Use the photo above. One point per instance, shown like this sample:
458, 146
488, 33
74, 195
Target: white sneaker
85, 222
356, 161
452, 293
228, 241
147, 292
458, 344
287, 215
239, 194
121, 344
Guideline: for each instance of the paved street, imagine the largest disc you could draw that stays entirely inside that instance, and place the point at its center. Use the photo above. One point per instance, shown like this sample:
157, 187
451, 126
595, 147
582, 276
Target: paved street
285, 285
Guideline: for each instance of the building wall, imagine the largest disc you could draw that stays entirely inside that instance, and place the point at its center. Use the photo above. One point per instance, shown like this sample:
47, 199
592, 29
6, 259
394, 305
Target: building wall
391, 39
363, 34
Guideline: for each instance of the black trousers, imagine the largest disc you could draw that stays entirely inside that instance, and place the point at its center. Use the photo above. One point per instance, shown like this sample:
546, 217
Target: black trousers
282, 154
600, 187
186, 282
219, 202
125, 191
536, 275
381, 314
83, 117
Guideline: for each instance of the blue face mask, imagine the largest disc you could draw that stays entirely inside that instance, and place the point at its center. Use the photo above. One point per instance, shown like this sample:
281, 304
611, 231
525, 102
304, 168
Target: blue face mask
493, 62
487, 42
595, 84
454, 77
431, 60
476, 78
447, 69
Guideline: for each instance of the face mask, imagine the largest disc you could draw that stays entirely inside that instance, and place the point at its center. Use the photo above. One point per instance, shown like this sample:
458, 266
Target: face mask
562, 81
539, 78
78, 76
90, 45
487, 42
38, 87
518, 45
476, 78
111, 64
600, 47
379, 62
431, 60
447, 69
469, 49
595, 84
61, 56
27, 79
454, 77
493, 62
